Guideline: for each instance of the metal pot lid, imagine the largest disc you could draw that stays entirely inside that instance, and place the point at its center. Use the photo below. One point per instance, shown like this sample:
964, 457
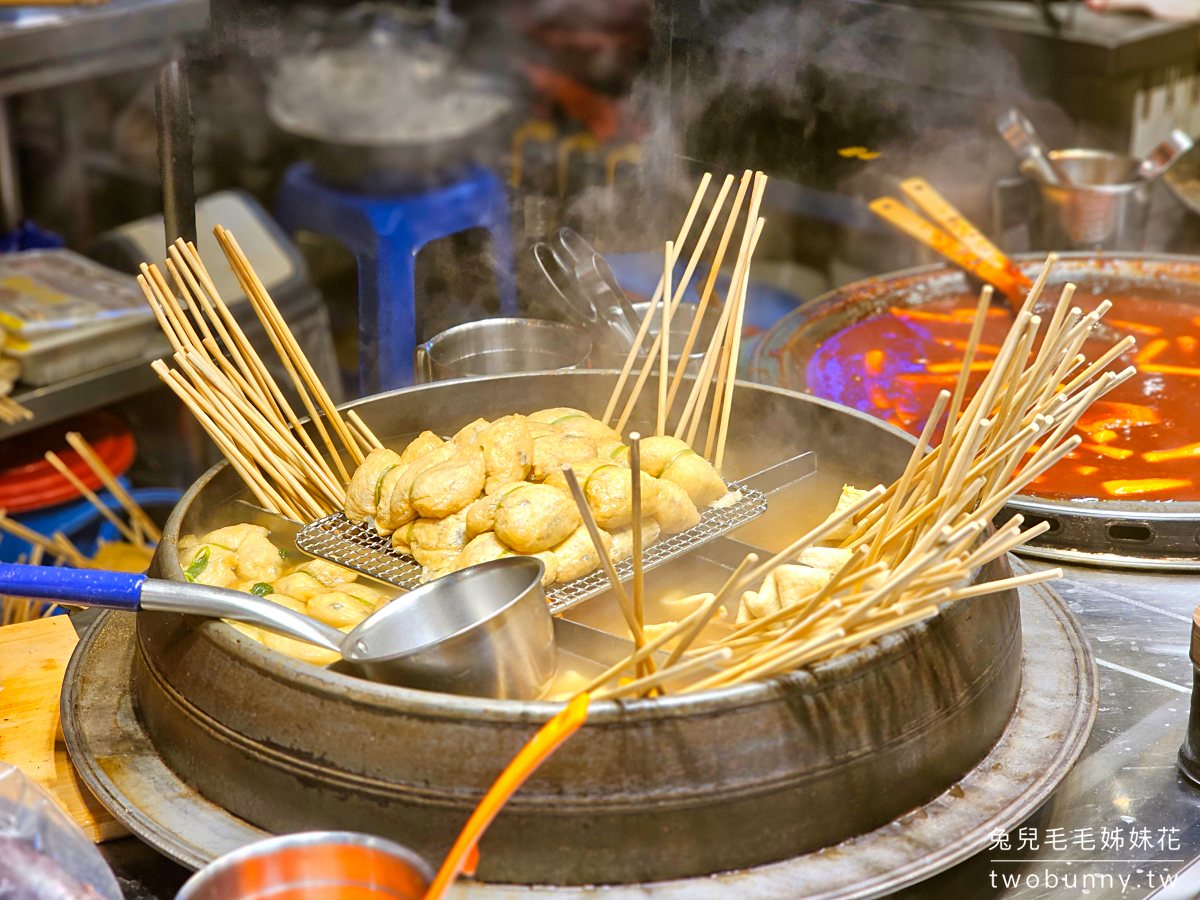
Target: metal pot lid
381, 96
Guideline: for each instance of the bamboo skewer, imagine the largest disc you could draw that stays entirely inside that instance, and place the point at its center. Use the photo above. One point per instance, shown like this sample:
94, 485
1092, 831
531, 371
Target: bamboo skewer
100, 506
664, 331
635, 491
760, 185
96, 464
57, 544
713, 270
357, 422
12, 412
707, 610
735, 349
917, 543
282, 350
230, 245
964, 374
226, 385
589, 520
631, 358
656, 679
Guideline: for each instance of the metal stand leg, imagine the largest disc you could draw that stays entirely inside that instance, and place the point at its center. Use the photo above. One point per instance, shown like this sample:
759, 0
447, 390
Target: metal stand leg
10, 182
174, 108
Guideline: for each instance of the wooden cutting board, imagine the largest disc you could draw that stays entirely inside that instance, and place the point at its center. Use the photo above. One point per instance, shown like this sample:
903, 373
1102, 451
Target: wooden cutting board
33, 660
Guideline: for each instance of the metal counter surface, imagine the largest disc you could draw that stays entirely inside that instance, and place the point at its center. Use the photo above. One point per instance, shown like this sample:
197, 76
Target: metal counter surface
1126, 782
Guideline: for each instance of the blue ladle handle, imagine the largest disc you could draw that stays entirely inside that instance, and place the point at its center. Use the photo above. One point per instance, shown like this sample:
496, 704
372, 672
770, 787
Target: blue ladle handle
82, 587
132, 593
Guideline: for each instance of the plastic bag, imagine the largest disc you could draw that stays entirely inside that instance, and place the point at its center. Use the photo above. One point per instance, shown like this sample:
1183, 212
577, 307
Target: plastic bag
31, 820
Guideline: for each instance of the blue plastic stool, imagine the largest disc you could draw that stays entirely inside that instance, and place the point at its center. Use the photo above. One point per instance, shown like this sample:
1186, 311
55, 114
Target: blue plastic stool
385, 232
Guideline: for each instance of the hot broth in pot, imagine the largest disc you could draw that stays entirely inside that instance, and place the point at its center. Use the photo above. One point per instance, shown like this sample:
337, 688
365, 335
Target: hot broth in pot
1141, 442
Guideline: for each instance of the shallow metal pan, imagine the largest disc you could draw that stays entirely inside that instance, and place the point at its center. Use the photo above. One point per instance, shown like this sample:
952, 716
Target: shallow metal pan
1120, 533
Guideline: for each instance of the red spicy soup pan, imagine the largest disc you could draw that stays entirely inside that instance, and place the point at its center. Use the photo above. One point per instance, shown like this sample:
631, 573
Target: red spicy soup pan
1130, 494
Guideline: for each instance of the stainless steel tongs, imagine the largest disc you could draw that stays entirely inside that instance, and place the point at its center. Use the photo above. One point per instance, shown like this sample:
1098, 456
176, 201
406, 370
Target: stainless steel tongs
584, 289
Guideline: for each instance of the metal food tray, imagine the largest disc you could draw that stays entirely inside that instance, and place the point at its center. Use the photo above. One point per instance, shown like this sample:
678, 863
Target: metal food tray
361, 548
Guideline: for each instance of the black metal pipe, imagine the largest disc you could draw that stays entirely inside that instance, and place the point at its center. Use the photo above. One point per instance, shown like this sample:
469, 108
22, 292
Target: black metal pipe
173, 107
11, 212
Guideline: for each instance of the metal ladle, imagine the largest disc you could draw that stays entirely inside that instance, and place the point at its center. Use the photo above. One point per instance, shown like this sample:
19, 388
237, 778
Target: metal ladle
484, 631
1018, 132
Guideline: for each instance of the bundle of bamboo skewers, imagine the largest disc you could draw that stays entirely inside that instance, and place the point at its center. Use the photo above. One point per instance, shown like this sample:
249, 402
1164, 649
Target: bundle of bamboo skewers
916, 544
227, 387
12, 412
139, 530
223, 381
719, 366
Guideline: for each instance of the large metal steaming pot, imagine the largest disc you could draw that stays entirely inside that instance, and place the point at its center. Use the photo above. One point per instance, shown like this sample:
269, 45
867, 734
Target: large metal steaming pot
648, 790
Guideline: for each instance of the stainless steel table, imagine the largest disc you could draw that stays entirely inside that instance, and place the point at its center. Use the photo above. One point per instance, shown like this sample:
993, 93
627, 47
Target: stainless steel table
1126, 782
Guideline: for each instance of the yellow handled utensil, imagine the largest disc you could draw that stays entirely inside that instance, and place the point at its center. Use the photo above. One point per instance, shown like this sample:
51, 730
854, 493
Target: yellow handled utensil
548, 739
962, 243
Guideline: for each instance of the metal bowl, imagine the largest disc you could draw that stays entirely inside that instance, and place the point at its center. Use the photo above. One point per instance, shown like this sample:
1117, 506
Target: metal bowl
500, 347
1129, 533
483, 632
649, 789
314, 865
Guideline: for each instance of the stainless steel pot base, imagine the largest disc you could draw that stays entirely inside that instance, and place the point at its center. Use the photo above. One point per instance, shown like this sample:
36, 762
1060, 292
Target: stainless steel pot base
361, 548
1044, 737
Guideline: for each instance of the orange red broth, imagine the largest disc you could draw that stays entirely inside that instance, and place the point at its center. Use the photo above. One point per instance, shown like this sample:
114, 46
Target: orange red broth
1141, 442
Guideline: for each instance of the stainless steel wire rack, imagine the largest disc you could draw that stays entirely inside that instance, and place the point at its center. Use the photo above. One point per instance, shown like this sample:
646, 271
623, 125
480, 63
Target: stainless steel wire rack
361, 548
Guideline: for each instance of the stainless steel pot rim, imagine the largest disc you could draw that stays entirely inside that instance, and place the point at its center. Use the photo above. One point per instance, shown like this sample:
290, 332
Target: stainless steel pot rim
412, 701
303, 839
536, 569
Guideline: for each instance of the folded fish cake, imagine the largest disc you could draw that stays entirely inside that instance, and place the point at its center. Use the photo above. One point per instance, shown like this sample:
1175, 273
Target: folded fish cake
399, 508
675, 511
468, 434
658, 451
480, 549
535, 517
436, 543
450, 486
622, 539
552, 451
577, 555
338, 609
507, 451
419, 446
574, 421
583, 470
609, 493
695, 474
481, 515
362, 496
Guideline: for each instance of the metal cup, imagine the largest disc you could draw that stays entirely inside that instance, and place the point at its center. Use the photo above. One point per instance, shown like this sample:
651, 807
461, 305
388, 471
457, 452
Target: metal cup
495, 639
500, 347
681, 324
315, 865
1105, 207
